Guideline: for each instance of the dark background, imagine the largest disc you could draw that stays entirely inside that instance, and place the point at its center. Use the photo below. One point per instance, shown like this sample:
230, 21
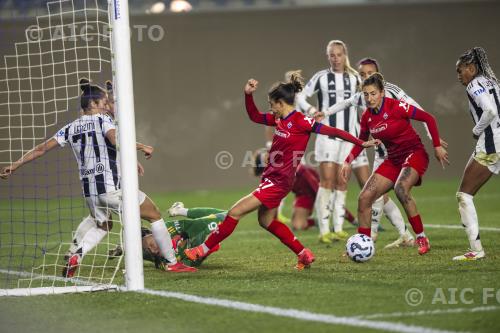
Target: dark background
188, 86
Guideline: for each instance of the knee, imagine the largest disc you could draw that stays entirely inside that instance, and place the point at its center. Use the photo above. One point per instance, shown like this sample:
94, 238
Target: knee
365, 200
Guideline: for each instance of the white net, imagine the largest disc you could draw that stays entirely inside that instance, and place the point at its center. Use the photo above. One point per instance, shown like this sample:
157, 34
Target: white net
42, 205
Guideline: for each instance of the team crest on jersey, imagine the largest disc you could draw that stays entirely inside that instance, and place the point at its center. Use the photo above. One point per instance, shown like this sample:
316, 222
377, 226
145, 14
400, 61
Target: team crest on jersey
385, 116
289, 125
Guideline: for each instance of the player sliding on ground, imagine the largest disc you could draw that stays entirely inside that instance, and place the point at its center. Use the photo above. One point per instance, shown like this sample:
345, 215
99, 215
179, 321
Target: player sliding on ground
92, 137
291, 136
191, 231
388, 119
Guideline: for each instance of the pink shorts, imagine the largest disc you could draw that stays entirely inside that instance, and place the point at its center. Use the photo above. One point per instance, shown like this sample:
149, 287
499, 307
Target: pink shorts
304, 201
269, 194
418, 160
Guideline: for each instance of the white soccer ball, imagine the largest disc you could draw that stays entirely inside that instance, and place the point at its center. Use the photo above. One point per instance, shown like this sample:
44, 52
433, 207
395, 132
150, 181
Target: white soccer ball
360, 248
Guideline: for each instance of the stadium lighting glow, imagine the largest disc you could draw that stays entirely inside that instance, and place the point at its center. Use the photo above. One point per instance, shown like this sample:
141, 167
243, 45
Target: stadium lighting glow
178, 6
157, 8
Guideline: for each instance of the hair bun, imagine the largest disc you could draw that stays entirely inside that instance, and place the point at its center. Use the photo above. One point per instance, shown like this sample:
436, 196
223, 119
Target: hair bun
84, 83
295, 79
109, 85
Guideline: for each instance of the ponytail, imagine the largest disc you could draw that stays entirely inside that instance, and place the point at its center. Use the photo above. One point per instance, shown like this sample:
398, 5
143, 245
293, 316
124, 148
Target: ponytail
286, 91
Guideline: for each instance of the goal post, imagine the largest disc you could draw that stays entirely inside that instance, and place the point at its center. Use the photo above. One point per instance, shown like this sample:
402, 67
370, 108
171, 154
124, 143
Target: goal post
44, 217
124, 99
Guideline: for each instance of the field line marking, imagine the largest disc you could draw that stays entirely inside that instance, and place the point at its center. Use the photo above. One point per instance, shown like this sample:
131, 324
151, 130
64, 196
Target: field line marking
451, 226
295, 314
429, 312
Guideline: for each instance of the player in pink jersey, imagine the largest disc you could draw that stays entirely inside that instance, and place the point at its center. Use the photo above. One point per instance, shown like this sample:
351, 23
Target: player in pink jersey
388, 119
291, 136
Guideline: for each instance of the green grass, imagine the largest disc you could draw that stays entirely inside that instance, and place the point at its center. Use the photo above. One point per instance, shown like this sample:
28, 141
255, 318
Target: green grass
252, 266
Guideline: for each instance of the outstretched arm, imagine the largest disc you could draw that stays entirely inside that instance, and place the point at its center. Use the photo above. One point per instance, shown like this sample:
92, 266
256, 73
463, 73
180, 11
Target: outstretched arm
33, 154
253, 113
346, 136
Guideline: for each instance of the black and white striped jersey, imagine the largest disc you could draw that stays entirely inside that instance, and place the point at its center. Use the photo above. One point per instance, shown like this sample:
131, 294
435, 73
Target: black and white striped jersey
332, 88
97, 158
484, 106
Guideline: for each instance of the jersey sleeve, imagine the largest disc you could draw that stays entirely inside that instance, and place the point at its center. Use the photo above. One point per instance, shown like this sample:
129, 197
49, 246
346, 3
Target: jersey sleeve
484, 100
311, 87
412, 112
62, 136
255, 115
107, 124
354, 100
364, 134
305, 123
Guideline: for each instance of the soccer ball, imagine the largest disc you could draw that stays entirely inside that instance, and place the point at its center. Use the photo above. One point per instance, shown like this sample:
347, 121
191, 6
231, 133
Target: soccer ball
360, 248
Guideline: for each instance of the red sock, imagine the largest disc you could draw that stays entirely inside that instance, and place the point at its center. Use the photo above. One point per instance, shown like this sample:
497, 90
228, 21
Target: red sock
223, 231
365, 231
416, 224
285, 235
348, 216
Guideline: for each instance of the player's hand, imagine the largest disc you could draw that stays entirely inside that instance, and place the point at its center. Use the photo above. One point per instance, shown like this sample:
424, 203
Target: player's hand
345, 172
319, 116
148, 151
140, 169
311, 111
441, 155
7, 171
371, 143
443, 143
251, 86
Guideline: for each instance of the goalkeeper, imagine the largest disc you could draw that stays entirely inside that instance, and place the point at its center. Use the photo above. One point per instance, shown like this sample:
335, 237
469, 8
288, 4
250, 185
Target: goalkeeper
185, 233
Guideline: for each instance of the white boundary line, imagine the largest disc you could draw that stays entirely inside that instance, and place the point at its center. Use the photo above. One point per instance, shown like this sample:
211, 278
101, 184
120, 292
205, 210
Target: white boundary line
430, 312
446, 226
295, 314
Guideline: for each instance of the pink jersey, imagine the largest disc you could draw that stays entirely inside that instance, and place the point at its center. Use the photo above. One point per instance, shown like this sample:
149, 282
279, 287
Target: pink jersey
391, 124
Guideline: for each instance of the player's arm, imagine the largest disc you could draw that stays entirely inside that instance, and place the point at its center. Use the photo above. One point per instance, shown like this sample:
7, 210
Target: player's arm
484, 100
346, 136
253, 113
310, 89
420, 115
341, 106
33, 154
147, 150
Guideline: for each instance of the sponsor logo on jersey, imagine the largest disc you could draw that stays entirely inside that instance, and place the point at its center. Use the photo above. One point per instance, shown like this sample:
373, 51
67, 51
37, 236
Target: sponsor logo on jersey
378, 129
479, 91
385, 116
99, 168
282, 134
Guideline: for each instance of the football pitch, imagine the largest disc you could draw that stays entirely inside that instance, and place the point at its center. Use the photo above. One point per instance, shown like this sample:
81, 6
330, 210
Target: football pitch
250, 284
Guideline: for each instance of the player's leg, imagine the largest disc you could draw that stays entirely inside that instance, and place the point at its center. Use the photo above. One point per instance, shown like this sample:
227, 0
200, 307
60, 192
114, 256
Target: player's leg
323, 198
267, 220
338, 203
150, 212
408, 178
394, 216
301, 218
199, 212
474, 177
375, 187
244, 206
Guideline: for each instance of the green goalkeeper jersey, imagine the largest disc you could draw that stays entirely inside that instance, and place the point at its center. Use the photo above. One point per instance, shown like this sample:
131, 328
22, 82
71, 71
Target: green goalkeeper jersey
195, 229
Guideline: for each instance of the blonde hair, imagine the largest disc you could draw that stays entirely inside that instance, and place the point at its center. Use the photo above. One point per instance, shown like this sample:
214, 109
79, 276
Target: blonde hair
348, 68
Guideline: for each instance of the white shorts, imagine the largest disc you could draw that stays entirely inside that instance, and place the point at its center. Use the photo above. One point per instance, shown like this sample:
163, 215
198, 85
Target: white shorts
102, 205
491, 161
336, 151
378, 158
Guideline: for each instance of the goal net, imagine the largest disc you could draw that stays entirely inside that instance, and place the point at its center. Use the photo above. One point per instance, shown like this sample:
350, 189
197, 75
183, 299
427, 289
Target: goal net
44, 217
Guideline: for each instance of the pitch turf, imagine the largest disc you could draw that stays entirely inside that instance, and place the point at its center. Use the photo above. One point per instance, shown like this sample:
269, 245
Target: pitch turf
254, 267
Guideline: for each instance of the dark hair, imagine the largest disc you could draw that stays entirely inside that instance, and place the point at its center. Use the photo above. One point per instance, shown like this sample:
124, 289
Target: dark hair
369, 61
477, 56
375, 79
259, 162
90, 92
286, 91
109, 86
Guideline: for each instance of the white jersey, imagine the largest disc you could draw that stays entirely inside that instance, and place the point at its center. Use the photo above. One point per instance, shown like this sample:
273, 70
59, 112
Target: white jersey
97, 159
332, 88
484, 106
